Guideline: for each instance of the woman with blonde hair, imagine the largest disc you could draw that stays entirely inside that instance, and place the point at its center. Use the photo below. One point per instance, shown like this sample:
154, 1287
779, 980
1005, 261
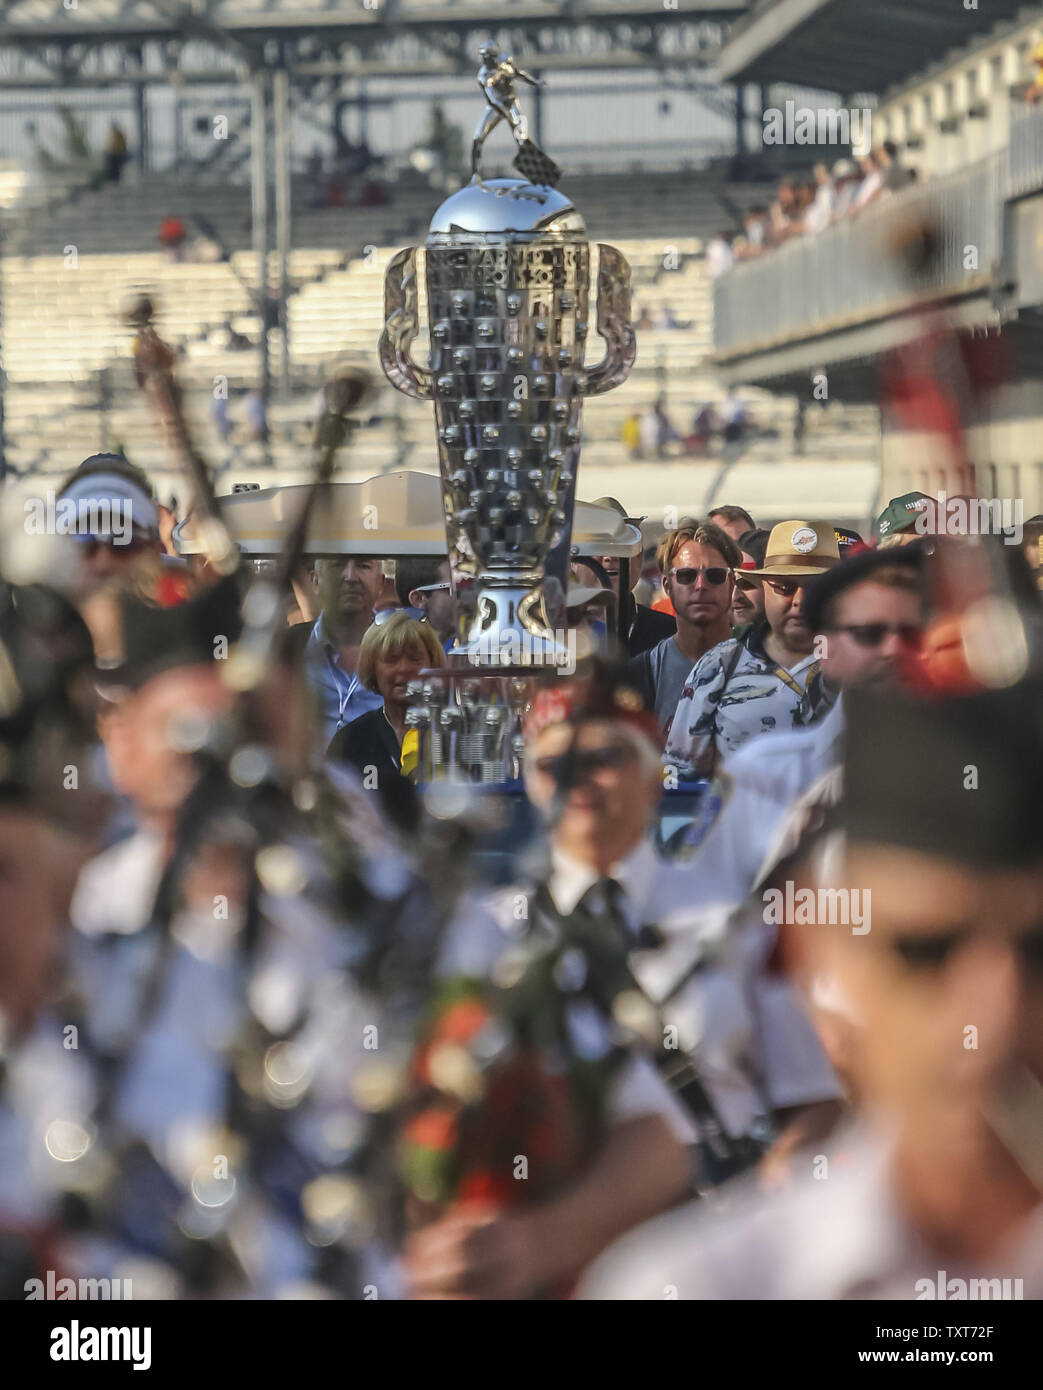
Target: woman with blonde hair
391, 655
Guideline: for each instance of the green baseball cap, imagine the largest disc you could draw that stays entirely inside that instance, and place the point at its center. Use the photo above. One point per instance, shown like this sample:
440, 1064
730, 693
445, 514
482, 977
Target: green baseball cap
901, 512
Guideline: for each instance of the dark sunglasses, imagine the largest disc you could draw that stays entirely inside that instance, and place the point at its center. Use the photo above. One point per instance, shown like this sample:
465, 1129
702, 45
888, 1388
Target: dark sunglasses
715, 574
931, 952
580, 764
872, 634
747, 585
785, 588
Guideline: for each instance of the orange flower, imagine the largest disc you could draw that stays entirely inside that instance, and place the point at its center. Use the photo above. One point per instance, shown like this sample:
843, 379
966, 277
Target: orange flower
462, 1021
432, 1129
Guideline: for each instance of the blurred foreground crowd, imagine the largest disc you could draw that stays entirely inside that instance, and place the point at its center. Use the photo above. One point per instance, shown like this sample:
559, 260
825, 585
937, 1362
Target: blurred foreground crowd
270, 1028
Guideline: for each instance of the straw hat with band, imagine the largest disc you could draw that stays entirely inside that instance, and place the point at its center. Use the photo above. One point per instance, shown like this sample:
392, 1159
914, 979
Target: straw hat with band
798, 550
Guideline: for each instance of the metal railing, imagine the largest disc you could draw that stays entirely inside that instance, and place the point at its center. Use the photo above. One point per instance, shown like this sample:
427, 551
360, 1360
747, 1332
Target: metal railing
848, 273
1025, 152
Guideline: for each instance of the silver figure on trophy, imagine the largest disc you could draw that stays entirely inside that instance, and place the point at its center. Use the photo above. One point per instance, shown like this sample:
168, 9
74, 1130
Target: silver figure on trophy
507, 265
497, 77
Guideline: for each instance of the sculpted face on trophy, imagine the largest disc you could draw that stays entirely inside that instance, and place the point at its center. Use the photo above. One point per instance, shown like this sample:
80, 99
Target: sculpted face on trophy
507, 266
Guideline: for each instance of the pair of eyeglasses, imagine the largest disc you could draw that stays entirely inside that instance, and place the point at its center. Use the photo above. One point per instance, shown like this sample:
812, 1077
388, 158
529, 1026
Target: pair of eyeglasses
745, 583
384, 615
785, 588
715, 575
932, 951
433, 588
579, 764
872, 634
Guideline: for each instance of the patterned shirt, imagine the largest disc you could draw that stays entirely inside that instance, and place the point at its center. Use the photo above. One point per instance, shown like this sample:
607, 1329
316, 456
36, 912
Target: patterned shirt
736, 691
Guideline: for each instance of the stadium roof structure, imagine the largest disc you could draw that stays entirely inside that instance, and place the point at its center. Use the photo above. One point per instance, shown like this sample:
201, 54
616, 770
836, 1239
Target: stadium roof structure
850, 45
41, 40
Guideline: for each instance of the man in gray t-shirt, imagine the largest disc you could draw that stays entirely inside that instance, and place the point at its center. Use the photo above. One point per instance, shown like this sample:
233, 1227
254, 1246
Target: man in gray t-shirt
697, 563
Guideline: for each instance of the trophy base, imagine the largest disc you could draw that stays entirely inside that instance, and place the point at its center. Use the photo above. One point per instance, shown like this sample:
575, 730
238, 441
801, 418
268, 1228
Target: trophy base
510, 629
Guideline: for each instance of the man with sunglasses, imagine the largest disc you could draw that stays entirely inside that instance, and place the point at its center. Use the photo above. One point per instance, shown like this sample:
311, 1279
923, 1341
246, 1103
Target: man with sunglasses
425, 583
769, 679
592, 770
936, 1193
867, 614
748, 595
696, 561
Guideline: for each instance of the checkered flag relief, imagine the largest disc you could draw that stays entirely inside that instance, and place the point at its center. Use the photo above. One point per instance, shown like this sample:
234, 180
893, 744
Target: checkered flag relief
534, 165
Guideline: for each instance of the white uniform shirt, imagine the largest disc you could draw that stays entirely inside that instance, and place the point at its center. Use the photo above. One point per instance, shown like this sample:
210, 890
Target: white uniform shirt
752, 1052
838, 1235
762, 781
173, 1089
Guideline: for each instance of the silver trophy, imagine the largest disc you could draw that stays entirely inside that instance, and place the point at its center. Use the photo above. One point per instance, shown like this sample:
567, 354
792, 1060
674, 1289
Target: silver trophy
507, 265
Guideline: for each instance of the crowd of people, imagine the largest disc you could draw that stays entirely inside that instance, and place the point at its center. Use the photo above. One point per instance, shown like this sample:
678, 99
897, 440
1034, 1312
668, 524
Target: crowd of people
267, 1032
807, 207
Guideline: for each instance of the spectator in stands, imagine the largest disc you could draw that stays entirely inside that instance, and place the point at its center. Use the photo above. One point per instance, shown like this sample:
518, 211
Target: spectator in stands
872, 185
697, 562
234, 341
704, 427
630, 434
171, 236
221, 418
657, 430
845, 186
257, 416
733, 418
896, 176
1034, 91
719, 257
785, 213
819, 215
756, 227
734, 521
644, 319
668, 321
425, 583
115, 153
314, 172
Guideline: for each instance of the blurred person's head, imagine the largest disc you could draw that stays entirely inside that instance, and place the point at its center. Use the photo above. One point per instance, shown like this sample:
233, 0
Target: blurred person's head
425, 583
736, 521
946, 985
697, 561
870, 611
592, 764
162, 678
142, 733
107, 506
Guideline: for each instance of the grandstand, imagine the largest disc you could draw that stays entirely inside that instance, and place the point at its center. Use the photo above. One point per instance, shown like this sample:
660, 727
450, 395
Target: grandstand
71, 255
827, 304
